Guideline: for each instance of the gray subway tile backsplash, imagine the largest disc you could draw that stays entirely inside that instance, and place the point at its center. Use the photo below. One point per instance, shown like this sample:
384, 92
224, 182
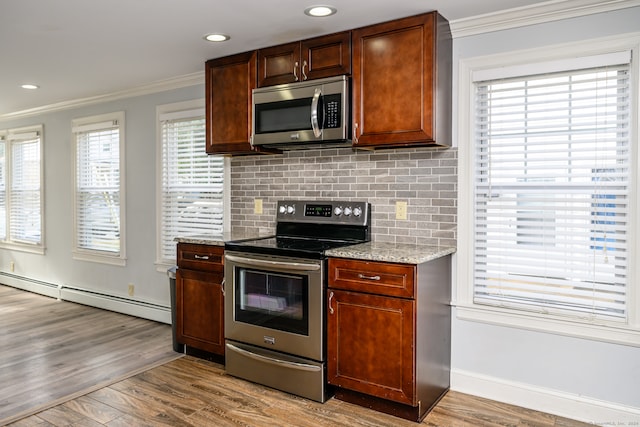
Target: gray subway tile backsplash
426, 178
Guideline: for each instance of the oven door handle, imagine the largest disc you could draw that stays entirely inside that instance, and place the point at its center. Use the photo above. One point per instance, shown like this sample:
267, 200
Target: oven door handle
296, 266
272, 361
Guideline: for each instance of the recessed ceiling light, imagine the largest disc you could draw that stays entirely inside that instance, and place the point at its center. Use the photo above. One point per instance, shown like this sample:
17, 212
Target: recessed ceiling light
29, 86
320, 11
216, 37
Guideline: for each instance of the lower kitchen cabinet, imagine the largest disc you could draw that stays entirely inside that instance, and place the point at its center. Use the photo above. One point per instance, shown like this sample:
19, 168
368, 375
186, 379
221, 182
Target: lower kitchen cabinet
200, 298
388, 334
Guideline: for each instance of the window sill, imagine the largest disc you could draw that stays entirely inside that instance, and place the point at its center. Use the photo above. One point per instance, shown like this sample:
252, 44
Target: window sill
33, 249
606, 332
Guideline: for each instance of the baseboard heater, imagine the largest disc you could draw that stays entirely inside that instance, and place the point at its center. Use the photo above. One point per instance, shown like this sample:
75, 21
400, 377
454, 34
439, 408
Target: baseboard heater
143, 309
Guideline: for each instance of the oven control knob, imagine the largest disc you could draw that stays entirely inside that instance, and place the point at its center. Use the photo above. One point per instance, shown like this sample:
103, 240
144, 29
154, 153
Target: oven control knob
291, 209
347, 211
337, 210
282, 209
357, 211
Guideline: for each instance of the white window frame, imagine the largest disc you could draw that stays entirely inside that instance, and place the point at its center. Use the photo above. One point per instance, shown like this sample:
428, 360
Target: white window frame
528, 61
93, 255
9, 138
179, 109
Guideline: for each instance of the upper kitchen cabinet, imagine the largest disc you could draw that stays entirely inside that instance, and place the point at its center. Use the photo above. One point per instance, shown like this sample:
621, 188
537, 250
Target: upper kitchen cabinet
228, 85
402, 83
315, 58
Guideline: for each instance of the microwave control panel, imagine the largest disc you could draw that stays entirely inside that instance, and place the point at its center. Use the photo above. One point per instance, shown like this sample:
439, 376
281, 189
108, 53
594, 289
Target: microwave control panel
332, 111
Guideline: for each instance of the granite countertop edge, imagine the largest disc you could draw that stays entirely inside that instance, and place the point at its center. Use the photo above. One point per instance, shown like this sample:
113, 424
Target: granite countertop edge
392, 252
372, 251
221, 239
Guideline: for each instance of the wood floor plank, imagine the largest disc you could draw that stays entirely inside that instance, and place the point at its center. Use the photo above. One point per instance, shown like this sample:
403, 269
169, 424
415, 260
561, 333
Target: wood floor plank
91, 408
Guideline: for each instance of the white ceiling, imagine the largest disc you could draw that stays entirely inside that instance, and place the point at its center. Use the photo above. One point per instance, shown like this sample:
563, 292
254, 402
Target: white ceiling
75, 49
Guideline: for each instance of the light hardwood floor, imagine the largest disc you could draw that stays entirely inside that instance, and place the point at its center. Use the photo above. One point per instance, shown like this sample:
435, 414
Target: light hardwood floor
51, 350
194, 392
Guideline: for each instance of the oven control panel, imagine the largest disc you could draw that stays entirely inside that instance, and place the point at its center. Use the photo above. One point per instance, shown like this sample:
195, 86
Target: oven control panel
333, 212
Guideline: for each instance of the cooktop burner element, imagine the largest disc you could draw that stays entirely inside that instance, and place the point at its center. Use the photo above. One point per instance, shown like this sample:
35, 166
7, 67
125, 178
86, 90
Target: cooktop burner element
308, 228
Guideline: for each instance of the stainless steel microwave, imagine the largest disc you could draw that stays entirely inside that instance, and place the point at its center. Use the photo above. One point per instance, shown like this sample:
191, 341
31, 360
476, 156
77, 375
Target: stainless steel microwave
308, 114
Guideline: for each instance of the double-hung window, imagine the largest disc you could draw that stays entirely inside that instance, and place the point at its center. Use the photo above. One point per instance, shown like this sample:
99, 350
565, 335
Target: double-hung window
191, 183
551, 189
99, 188
21, 215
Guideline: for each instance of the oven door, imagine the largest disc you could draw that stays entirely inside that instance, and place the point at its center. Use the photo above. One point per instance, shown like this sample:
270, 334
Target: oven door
275, 303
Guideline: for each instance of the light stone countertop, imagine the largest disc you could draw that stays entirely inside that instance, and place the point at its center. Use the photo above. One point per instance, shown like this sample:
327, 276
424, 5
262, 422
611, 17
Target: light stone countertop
221, 239
391, 252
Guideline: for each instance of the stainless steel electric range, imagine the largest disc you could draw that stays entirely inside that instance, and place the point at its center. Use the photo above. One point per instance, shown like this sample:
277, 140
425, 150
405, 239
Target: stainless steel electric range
276, 295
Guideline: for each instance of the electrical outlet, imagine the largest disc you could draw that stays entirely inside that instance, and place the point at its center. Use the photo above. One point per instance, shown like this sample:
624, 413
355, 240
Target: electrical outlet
132, 289
12, 266
401, 210
257, 206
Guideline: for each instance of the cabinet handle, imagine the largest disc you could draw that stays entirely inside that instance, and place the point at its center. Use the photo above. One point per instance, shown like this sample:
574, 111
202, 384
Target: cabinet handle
304, 64
355, 133
362, 276
330, 300
222, 286
295, 73
204, 257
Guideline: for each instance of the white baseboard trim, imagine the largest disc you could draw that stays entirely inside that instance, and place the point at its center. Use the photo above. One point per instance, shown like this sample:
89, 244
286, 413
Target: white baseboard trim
31, 285
79, 295
118, 304
576, 407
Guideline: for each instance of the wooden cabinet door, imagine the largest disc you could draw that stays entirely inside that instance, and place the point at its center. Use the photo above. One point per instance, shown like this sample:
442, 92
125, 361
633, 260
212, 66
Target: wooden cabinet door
200, 310
393, 82
228, 85
370, 345
326, 56
279, 64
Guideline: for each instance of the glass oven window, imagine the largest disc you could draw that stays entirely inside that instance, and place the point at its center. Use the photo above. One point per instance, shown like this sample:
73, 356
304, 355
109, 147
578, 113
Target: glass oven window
272, 300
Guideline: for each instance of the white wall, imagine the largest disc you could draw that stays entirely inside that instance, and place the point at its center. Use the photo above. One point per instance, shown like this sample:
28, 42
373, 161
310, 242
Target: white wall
57, 267
593, 381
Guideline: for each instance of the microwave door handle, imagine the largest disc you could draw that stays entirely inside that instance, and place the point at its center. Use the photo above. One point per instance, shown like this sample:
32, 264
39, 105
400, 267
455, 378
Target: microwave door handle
317, 132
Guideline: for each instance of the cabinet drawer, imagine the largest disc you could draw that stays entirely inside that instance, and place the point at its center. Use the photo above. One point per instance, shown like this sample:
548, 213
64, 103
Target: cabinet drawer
378, 278
201, 257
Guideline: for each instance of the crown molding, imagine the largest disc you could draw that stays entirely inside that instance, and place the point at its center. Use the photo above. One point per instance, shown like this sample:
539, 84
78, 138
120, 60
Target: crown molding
155, 87
553, 10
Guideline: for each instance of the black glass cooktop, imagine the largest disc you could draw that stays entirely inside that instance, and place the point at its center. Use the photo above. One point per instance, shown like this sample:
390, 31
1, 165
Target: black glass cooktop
288, 246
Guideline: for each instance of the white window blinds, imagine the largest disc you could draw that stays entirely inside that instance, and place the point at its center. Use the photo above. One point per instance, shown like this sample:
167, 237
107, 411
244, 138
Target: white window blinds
192, 181
98, 192
24, 196
551, 191
3, 188
21, 225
